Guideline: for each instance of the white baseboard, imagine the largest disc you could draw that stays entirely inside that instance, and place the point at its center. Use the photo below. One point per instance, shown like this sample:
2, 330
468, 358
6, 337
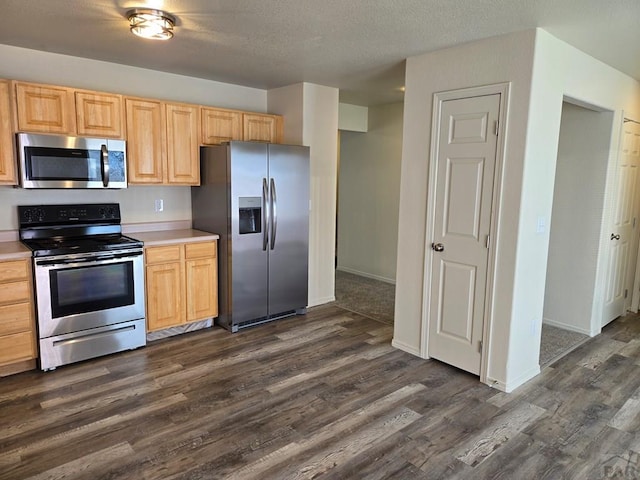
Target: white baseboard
566, 326
314, 302
405, 347
511, 385
392, 281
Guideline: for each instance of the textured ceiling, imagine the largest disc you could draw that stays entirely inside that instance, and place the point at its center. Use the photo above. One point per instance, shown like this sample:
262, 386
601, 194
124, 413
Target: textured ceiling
358, 46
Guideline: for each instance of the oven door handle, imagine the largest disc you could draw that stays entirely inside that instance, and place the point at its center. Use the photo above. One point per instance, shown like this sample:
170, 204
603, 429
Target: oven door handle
96, 259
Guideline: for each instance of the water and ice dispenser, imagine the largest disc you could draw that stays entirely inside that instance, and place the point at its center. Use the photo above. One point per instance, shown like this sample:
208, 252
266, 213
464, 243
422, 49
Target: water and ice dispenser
250, 214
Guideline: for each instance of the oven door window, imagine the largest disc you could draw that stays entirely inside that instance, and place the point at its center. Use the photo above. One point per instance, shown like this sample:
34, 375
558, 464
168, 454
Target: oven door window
92, 288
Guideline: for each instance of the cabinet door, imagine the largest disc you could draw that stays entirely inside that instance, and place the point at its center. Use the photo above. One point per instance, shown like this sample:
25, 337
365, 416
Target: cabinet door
44, 108
99, 114
262, 128
17, 324
165, 296
183, 144
7, 162
16, 318
220, 125
201, 280
17, 347
146, 154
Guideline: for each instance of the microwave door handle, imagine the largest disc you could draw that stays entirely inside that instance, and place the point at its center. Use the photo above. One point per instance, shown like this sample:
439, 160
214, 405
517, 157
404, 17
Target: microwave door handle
104, 165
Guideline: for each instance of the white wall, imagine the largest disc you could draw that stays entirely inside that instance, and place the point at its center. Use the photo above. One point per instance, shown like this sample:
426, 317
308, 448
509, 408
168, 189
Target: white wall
578, 207
314, 111
540, 70
507, 58
43, 67
354, 118
559, 70
369, 193
137, 203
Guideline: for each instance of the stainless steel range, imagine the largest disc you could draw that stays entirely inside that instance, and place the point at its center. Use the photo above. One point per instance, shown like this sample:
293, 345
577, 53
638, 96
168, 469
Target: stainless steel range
89, 281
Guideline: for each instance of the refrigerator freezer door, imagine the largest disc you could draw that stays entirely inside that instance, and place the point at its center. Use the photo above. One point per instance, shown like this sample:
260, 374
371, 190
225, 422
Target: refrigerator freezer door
249, 262
289, 259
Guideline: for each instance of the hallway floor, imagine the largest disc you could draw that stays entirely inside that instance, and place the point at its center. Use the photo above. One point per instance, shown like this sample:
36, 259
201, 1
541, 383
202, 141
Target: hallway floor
376, 300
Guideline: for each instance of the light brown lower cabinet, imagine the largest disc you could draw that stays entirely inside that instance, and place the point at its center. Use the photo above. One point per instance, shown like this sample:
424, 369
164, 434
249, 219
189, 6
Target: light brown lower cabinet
17, 322
181, 283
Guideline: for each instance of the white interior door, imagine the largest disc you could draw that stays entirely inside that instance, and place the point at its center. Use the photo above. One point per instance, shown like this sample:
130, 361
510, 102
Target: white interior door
622, 234
466, 158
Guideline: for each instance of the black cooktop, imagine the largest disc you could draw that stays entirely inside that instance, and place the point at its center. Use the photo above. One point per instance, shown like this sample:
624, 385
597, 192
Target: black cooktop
66, 229
63, 246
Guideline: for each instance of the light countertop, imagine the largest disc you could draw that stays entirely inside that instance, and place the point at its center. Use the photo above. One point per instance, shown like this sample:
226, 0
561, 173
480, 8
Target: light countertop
167, 237
151, 234
13, 250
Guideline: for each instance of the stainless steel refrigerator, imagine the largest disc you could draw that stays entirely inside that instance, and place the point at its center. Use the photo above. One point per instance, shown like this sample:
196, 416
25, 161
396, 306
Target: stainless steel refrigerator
256, 197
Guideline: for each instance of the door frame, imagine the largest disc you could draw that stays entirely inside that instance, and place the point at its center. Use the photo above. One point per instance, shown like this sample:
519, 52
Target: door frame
438, 98
634, 305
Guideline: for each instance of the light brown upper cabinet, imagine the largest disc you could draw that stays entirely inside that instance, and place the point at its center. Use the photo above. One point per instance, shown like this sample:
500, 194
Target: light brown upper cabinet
163, 142
99, 114
262, 127
220, 125
146, 153
183, 144
53, 109
7, 163
45, 108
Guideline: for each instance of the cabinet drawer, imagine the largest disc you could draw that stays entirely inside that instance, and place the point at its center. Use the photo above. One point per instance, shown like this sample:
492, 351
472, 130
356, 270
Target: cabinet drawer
163, 254
14, 270
17, 347
15, 292
15, 319
200, 249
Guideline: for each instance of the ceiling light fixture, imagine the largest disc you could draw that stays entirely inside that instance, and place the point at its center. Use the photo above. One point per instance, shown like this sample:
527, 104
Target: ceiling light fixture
148, 23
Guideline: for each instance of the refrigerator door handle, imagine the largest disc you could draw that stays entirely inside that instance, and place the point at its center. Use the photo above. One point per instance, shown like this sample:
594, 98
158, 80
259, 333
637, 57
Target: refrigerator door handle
265, 215
274, 213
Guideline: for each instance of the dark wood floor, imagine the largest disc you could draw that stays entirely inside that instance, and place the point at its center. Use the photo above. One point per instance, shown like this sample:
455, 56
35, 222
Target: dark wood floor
321, 396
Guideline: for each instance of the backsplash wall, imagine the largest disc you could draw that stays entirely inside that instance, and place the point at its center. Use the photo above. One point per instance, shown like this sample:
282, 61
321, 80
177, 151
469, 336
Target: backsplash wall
137, 203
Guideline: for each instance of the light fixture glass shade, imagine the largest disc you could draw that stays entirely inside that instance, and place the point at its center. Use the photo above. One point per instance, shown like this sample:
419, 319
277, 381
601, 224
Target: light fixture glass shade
154, 24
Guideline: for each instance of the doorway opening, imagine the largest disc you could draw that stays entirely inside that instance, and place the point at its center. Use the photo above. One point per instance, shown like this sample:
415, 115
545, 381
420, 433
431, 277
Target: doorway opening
367, 213
576, 229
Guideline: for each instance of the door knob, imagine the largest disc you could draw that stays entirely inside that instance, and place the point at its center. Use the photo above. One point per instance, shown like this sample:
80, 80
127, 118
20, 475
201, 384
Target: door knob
438, 247
615, 237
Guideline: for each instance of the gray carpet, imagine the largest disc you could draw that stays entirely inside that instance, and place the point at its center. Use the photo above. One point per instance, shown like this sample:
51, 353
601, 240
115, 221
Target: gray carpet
557, 342
375, 299
368, 297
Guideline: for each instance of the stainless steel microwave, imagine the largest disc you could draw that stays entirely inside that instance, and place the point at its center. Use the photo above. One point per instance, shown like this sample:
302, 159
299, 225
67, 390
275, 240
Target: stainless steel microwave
52, 161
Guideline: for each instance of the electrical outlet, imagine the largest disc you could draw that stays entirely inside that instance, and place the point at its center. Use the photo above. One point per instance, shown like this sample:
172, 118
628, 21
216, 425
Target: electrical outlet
159, 205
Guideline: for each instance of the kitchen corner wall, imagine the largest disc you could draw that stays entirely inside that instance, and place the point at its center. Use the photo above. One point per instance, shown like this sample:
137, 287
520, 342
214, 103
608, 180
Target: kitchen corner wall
541, 71
311, 118
137, 203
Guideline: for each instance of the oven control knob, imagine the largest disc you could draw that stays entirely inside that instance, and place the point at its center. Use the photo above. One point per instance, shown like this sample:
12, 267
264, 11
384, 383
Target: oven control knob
101, 212
28, 215
111, 212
